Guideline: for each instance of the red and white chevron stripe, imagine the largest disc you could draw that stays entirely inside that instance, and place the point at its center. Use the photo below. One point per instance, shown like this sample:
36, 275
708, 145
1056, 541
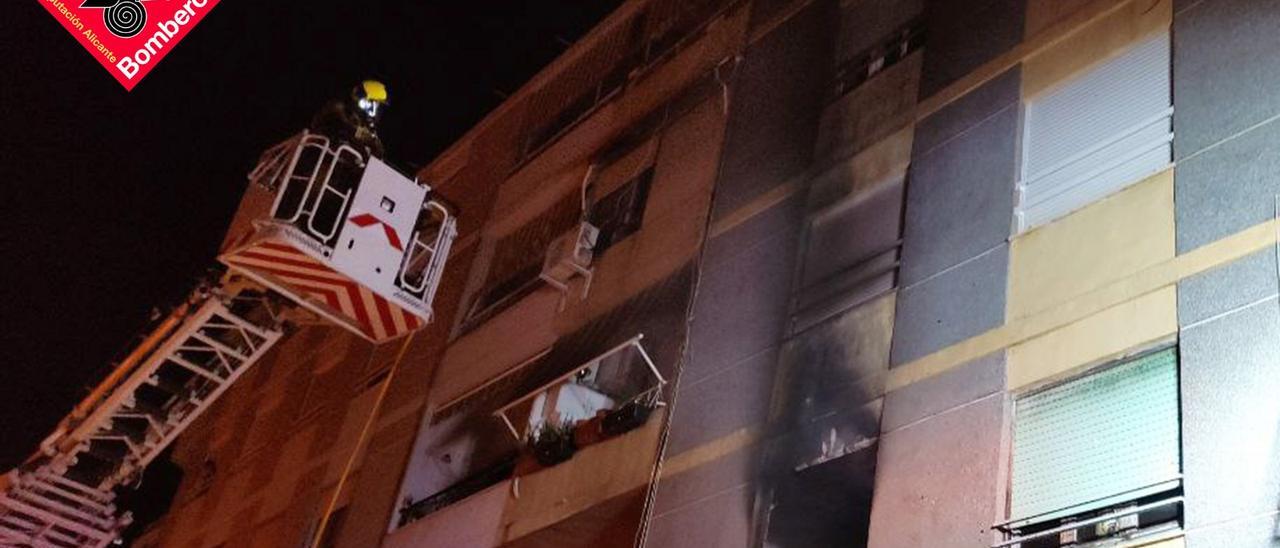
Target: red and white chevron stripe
322, 289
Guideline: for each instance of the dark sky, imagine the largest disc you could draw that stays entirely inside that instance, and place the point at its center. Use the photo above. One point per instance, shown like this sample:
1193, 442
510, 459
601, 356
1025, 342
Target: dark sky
115, 202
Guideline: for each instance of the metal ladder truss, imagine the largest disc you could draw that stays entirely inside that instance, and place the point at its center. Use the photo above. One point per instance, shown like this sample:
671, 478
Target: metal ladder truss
41, 509
63, 497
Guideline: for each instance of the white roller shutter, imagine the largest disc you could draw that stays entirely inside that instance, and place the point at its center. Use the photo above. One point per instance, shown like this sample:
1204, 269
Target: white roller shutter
1097, 133
1096, 441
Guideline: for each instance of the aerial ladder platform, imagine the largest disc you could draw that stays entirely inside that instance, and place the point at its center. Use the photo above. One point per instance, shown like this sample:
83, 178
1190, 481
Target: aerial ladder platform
322, 228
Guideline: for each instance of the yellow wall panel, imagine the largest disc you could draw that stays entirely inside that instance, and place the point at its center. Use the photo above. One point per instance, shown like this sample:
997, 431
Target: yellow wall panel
1094, 43
595, 474
1042, 13
495, 347
1107, 334
1104, 242
1166, 543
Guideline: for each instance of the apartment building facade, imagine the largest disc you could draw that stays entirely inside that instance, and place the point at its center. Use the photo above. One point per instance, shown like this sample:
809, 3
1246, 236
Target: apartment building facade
918, 273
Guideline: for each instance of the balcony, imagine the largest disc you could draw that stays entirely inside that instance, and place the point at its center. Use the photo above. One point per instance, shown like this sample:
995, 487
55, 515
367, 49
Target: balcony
475, 520
513, 501
596, 474
590, 442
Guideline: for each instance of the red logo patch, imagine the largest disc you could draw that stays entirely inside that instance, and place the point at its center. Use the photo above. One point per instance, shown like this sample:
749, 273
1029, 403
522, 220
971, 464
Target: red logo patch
129, 37
366, 220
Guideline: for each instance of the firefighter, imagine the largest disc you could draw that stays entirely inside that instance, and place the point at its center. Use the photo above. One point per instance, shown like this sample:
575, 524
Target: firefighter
354, 121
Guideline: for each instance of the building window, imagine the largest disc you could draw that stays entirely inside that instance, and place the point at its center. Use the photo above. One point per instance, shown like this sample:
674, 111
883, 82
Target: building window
855, 71
1102, 452
839, 272
1096, 133
621, 213
518, 257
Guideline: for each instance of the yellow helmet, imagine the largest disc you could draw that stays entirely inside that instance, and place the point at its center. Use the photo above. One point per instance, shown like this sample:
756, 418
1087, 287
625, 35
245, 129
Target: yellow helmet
371, 96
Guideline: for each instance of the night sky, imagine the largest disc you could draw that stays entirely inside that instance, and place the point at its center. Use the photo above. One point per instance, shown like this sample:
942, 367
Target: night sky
115, 202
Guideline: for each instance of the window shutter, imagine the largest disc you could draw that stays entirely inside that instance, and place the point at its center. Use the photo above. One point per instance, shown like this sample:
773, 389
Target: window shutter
1097, 133
1097, 441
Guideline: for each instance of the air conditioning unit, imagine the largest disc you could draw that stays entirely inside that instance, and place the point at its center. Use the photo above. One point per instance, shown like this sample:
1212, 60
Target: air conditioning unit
570, 255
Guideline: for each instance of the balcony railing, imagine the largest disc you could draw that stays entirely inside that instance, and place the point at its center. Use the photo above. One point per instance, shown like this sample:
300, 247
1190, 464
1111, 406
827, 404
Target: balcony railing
619, 381
459, 491
1151, 510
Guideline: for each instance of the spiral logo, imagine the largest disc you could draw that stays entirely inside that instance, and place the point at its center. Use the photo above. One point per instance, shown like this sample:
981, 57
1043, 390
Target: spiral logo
126, 18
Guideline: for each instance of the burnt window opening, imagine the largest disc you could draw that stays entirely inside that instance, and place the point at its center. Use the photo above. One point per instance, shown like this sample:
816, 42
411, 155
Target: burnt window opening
828, 504
621, 213
900, 44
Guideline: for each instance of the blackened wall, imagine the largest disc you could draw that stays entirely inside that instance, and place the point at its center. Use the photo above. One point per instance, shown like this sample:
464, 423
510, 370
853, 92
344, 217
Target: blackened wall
741, 305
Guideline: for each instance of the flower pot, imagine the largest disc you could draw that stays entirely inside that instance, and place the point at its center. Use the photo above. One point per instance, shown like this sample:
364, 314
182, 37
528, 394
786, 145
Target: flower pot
589, 432
553, 445
626, 418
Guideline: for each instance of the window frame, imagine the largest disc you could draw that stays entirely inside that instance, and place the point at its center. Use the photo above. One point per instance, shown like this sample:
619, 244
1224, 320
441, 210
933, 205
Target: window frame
1164, 506
1091, 155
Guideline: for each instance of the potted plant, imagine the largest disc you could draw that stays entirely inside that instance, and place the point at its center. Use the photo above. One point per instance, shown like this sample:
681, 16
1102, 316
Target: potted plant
630, 416
552, 444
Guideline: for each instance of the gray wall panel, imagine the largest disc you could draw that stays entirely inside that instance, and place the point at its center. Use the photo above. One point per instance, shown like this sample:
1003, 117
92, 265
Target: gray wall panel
1256, 532
777, 100
783, 219
720, 521
733, 470
964, 34
952, 307
1225, 70
1227, 288
968, 111
960, 385
960, 198
1228, 188
1231, 415
726, 401
741, 306
937, 481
